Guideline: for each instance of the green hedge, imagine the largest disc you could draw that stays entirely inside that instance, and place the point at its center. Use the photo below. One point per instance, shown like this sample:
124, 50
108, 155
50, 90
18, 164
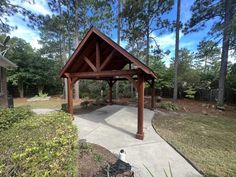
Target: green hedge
12, 115
42, 145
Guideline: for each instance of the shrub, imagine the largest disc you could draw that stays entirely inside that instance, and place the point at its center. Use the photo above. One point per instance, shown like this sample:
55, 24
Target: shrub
10, 116
84, 104
190, 93
64, 107
42, 145
169, 106
42, 95
100, 101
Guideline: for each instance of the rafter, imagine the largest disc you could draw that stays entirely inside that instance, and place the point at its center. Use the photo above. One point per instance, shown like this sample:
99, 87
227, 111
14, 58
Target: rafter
111, 82
90, 64
104, 64
74, 80
131, 80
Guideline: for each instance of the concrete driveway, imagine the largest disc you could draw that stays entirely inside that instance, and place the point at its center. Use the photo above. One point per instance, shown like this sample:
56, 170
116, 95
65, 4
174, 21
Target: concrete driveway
114, 128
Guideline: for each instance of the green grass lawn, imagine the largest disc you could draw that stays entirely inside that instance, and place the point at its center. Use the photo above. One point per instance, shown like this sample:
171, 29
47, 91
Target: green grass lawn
208, 141
53, 103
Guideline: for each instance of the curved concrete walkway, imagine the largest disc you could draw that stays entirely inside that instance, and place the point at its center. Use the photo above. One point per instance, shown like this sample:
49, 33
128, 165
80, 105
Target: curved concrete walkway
114, 127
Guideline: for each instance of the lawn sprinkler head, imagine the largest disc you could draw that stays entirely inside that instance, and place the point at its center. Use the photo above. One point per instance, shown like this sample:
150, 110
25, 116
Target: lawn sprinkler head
122, 155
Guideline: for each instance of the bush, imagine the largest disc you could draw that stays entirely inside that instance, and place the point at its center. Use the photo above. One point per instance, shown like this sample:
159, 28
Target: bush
64, 107
100, 101
190, 93
10, 116
85, 104
42, 145
169, 106
42, 95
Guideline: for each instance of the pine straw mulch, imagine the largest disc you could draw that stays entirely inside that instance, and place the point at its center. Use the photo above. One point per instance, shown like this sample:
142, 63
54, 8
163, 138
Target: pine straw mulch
94, 161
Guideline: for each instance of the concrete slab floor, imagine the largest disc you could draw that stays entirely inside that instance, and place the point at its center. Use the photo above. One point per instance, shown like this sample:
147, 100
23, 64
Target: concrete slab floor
114, 127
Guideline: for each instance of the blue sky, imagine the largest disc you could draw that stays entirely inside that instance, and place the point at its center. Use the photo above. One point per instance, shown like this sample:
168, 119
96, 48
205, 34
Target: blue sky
166, 40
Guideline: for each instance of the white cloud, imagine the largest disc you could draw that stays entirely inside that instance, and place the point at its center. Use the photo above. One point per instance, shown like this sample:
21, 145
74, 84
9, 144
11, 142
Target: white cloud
166, 41
186, 44
35, 44
27, 34
232, 56
39, 7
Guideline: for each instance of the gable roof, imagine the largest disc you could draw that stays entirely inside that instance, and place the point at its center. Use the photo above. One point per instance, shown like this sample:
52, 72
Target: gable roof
120, 56
6, 63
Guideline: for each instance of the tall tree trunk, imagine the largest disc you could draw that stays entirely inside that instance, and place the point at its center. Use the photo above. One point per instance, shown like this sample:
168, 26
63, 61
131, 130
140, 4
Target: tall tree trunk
205, 67
118, 40
64, 60
76, 85
225, 50
175, 94
62, 55
21, 89
148, 44
131, 84
147, 33
40, 88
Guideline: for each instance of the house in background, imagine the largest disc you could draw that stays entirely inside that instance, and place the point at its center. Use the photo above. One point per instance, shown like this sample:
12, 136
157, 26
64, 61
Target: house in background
4, 65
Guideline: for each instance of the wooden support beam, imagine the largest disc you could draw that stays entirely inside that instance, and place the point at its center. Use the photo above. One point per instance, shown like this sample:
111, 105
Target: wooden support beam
140, 133
150, 83
110, 83
153, 95
108, 78
74, 80
70, 95
129, 78
113, 73
123, 78
104, 64
98, 56
90, 63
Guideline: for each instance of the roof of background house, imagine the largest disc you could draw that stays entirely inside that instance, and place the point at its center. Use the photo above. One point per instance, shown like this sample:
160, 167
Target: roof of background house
6, 63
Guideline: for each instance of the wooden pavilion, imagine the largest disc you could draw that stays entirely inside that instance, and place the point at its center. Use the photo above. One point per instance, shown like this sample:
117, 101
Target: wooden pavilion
97, 57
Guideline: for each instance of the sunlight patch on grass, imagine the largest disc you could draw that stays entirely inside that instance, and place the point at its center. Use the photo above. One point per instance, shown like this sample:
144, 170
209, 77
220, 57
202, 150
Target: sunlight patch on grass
53, 103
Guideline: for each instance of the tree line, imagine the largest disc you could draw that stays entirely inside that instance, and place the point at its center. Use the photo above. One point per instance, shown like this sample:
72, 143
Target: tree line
135, 22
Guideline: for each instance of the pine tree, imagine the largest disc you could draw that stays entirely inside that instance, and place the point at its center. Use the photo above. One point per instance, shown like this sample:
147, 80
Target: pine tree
175, 94
7, 9
223, 12
141, 19
207, 53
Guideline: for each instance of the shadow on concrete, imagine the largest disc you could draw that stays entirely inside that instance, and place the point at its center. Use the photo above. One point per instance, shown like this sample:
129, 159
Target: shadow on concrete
100, 116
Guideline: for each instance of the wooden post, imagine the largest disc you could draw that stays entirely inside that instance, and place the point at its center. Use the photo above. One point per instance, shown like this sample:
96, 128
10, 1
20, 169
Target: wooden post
140, 133
110, 83
131, 85
98, 56
153, 95
110, 94
70, 95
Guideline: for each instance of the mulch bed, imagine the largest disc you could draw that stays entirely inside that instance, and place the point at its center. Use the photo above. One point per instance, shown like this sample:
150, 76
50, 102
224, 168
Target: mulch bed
204, 107
95, 160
